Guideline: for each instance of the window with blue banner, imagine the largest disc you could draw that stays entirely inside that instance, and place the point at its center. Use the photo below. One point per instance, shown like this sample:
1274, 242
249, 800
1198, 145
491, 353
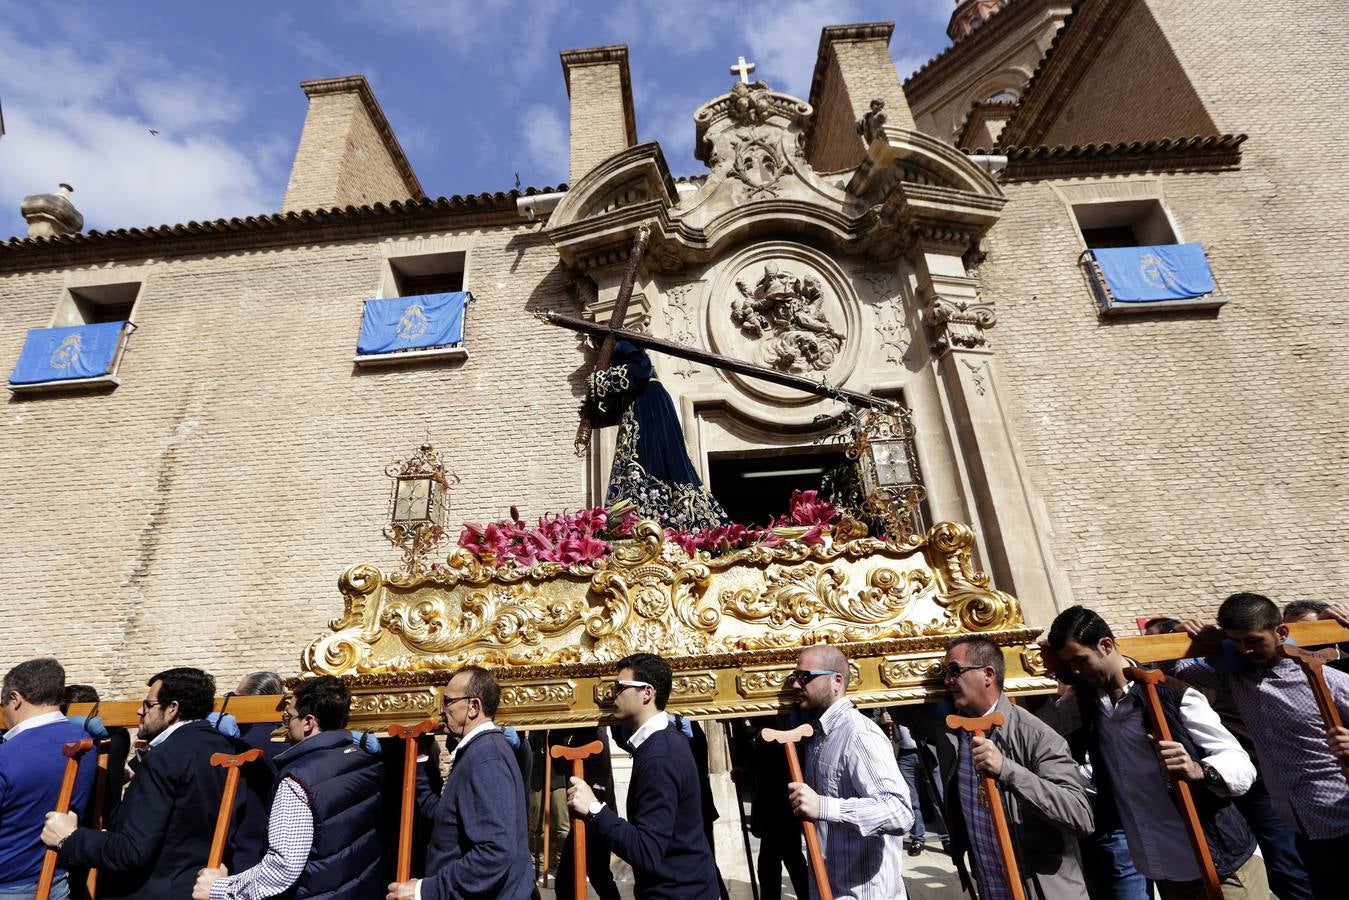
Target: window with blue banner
65, 354
413, 323
1155, 274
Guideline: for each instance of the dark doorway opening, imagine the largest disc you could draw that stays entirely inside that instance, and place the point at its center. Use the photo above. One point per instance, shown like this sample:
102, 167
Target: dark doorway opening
754, 489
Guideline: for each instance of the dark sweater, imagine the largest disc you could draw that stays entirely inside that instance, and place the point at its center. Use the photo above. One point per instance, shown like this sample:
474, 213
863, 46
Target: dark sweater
31, 768
479, 839
161, 834
662, 838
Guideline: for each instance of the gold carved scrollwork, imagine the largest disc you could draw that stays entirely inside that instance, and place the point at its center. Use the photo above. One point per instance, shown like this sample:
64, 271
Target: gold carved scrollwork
394, 704
907, 671
554, 628
1034, 662
553, 695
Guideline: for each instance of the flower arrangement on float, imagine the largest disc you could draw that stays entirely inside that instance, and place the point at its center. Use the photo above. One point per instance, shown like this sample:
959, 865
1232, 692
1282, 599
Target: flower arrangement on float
588, 535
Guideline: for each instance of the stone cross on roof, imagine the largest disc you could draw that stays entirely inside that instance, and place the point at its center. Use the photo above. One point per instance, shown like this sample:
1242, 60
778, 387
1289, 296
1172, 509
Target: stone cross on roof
743, 69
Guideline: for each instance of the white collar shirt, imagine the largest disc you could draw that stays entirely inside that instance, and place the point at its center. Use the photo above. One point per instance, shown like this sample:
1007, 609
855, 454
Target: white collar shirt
481, 728
34, 722
659, 722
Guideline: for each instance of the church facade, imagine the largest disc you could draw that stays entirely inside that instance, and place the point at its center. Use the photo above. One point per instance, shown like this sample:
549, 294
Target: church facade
939, 241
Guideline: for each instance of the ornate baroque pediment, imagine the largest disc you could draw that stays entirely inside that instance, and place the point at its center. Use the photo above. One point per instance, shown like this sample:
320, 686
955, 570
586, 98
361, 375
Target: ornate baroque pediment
733, 624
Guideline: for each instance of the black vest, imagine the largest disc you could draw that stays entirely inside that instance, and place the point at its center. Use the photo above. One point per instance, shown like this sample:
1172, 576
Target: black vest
342, 782
1230, 841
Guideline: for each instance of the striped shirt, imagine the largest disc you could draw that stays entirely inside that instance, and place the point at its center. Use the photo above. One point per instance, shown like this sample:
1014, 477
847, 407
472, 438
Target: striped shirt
1305, 782
290, 835
864, 805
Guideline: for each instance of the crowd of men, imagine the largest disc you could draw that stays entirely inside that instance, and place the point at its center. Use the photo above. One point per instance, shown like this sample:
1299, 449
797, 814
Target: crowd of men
1087, 789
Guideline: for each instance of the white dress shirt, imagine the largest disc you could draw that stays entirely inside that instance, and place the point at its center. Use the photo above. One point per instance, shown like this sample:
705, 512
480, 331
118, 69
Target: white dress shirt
34, 722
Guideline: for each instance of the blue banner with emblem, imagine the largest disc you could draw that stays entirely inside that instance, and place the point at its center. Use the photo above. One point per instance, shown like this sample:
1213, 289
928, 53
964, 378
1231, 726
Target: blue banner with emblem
412, 323
1148, 274
60, 354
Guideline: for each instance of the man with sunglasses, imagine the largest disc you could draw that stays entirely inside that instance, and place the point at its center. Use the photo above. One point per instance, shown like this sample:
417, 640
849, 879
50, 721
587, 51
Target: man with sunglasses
853, 792
321, 834
1043, 792
479, 847
662, 838
161, 833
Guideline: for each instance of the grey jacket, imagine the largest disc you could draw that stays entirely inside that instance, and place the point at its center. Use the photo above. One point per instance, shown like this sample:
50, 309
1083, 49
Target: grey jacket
1046, 801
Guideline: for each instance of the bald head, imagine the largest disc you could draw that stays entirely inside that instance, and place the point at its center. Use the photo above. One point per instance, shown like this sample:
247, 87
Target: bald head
825, 656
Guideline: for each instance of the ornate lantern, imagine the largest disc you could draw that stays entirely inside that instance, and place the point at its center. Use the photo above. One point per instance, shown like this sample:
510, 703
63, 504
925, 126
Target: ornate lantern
881, 444
418, 506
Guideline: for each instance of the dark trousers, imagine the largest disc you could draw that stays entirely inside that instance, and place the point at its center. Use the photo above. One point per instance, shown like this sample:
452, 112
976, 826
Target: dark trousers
908, 767
778, 848
599, 868
1283, 864
1325, 860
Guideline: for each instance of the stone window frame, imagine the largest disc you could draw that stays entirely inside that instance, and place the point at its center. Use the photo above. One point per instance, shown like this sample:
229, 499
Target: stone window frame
419, 252
81, 292
1130, 191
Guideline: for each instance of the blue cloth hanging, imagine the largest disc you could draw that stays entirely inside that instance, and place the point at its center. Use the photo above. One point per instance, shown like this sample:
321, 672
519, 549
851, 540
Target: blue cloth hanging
412, 323
1149, 274
61, 354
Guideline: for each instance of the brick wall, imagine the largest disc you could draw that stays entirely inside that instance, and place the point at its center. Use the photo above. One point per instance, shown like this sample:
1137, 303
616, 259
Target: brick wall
341, 159
202, 512
598, 119
1182, 457
1135, 89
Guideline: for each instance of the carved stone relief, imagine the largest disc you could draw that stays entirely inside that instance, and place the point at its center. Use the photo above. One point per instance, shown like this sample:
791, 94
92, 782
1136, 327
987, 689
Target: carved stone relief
893, 334
958, 322
784, 314
787, 307
680, 324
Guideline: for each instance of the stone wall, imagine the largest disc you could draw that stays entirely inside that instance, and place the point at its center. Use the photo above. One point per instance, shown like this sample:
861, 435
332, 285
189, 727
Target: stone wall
202, 511
601, 120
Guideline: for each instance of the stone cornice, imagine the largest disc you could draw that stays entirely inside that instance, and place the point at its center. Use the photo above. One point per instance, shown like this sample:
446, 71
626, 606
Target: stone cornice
610, 54
276, 230
1189, 154
358, 85
1079, 42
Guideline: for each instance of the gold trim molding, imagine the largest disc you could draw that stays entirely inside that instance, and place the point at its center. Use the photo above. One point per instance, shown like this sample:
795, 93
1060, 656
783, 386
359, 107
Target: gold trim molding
731, 625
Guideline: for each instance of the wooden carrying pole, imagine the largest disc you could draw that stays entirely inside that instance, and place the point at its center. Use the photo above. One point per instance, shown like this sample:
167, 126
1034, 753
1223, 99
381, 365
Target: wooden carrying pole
788, 740
976, 728
72, 751
232, 762
1149, 679
577, 755
409, 735
96, 804
1312, 662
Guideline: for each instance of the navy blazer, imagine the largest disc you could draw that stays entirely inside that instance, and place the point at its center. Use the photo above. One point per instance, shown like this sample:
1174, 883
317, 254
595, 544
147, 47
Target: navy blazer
663, 838
479, 837
161, 835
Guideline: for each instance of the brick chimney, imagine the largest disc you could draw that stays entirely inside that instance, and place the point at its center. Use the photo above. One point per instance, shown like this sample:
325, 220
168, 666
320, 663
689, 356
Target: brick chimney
348, 154
602, 119
48, 215
852, 68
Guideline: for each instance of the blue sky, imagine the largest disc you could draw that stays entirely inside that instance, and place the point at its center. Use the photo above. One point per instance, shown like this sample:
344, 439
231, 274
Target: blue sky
474, 90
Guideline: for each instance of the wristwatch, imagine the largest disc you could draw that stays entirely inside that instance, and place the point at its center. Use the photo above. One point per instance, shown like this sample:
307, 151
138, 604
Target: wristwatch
594, 808
1212, 778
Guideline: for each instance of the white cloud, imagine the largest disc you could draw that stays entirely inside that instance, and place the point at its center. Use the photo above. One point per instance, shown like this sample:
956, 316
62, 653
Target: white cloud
84, 117
784, 39
545, 136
